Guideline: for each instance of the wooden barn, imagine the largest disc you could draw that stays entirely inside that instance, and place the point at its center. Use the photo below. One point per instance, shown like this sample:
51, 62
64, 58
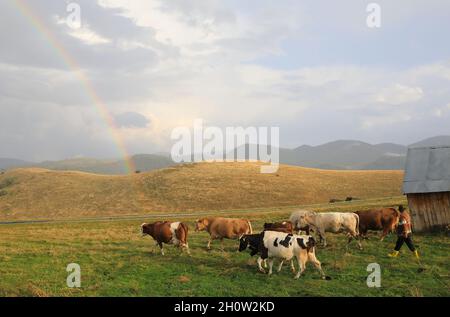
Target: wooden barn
427, 186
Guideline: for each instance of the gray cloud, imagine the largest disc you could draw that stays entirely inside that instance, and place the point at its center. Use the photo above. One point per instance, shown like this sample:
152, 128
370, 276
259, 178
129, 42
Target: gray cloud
131, 120
317, 73
27, 45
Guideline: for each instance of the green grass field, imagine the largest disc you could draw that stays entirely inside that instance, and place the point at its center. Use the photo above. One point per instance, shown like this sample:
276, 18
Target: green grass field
116, 261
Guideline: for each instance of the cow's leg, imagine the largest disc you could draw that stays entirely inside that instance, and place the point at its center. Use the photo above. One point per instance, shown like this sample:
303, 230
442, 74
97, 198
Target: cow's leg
324, 239
301, 266
160, 244
259, 261
178, 245
292, 266
185, 246
384, 234
358, 240
221, 245
351, 236
312, 258
363, 234
208, 246
321, 234
270, 266
280, 266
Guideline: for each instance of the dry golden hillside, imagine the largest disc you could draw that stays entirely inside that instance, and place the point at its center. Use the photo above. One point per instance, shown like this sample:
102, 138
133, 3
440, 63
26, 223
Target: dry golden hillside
44, 194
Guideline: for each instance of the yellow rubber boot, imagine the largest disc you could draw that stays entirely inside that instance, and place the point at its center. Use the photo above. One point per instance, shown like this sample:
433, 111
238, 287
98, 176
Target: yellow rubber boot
416, 253
393, 254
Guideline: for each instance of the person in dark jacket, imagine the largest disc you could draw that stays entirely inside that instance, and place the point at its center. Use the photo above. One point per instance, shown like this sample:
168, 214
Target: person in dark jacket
404, 233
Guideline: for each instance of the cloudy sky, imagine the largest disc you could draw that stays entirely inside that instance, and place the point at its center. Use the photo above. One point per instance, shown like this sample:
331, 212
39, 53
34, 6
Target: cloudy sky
312, 68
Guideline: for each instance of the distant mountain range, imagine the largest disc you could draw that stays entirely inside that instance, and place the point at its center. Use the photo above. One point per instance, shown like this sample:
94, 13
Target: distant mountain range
337, 155
142, 163
443, 140
352, 154
7, 163
347, 154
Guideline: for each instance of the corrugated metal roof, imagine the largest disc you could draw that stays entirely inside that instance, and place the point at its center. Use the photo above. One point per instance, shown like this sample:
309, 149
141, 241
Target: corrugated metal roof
427, 170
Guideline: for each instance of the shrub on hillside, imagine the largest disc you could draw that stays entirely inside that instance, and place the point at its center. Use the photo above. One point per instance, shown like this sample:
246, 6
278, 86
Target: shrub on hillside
6, 183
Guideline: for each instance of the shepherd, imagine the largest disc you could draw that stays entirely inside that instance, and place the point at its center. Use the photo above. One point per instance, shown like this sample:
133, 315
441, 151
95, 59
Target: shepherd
404, 233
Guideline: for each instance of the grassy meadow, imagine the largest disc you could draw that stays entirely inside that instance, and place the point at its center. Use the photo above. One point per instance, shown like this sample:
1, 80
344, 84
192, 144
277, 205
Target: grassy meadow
116, 261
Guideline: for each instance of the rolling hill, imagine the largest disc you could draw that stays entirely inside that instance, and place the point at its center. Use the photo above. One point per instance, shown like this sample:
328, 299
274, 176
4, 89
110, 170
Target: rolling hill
434, 141
7, 163
44, 194
142, 162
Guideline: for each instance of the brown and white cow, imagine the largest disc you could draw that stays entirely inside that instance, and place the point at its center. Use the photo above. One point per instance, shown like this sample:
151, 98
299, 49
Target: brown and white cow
175, 233
223, 228
384, 219
285, 226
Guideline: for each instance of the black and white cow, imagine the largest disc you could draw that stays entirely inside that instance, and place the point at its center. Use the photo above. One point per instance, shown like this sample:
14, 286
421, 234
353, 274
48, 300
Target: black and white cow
270, 245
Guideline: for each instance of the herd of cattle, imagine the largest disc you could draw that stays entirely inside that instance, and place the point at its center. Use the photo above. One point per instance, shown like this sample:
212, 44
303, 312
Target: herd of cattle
283, 240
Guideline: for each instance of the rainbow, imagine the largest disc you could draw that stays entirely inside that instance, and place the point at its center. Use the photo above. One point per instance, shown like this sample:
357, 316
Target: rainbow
72, 64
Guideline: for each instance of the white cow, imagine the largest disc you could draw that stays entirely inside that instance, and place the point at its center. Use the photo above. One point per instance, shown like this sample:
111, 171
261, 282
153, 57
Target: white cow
284, 246
334, 222
297, 219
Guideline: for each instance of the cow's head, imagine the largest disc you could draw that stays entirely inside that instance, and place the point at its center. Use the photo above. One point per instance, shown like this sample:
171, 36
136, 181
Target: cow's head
201, 224
301, 221
146, 228
243, 243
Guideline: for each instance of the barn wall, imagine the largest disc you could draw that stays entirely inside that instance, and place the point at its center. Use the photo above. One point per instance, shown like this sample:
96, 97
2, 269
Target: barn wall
429, 211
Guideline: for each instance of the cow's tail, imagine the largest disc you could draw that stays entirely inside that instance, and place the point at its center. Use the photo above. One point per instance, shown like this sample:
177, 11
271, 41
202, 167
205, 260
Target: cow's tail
185, 227
250, 229
357, 224
186, 230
